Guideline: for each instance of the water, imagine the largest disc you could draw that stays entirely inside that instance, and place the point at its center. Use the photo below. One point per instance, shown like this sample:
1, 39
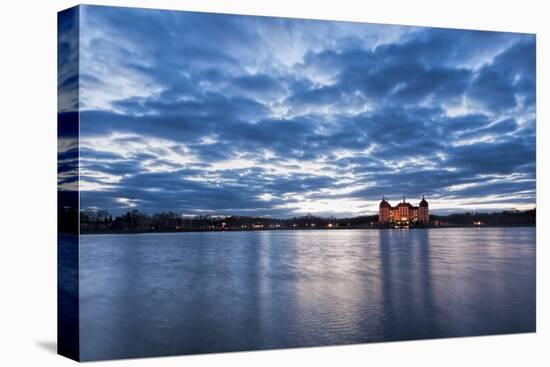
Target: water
183, 293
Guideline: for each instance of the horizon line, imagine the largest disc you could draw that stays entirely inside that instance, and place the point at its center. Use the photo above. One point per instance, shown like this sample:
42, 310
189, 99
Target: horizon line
322, 216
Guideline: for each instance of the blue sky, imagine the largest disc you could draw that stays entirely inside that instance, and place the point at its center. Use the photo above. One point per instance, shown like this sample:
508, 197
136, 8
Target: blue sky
207, 113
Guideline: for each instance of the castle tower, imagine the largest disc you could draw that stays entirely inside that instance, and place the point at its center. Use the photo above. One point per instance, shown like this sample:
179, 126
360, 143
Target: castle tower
403, 209
384, 211
423, 211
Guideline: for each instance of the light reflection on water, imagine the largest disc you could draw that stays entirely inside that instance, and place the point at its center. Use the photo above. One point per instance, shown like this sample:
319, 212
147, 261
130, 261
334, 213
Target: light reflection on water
163, 294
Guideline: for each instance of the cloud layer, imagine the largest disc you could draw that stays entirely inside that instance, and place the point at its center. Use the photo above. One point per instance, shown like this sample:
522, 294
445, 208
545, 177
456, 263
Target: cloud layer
213, 113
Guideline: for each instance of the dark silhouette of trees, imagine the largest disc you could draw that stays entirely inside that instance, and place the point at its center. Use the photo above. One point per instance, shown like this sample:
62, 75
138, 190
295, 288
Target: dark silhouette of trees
504, 218
101, 221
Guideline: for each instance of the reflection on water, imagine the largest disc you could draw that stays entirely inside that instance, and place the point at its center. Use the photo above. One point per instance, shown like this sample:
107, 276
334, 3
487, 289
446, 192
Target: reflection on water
164, 294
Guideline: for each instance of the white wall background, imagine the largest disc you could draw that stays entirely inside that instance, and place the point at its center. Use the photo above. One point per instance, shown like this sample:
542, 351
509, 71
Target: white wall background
28, 182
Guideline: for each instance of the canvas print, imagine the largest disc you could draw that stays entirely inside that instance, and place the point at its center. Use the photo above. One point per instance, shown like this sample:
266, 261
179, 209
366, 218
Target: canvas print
238, 183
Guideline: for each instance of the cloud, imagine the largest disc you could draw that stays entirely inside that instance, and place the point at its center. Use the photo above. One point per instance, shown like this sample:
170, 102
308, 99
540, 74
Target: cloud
271, 116
509, 79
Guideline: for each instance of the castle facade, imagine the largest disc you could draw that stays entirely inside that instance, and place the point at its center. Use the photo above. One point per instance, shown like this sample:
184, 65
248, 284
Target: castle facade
403, 213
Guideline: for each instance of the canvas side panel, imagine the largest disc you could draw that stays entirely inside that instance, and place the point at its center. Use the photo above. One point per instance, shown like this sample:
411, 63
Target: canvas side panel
67, 178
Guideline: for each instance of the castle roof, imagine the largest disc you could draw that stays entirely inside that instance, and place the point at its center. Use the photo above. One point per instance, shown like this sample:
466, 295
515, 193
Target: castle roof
423, 202
385, 204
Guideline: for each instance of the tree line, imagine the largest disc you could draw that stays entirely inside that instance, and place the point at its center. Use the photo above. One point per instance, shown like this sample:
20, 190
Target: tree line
101, 221
503, 218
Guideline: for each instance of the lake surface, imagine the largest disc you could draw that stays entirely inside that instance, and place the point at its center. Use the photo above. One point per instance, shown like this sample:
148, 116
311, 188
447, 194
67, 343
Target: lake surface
184, 293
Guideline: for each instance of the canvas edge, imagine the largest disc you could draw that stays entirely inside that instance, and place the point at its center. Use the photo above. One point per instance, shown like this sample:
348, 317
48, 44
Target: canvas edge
68, 330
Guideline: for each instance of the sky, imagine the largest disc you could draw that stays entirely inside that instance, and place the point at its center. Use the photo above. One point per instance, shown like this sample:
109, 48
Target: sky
237, 115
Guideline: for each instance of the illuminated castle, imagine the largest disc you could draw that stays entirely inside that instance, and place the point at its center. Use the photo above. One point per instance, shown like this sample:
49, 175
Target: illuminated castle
403, 213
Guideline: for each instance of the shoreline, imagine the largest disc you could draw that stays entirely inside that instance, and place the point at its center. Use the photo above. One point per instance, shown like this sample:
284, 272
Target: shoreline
296, 229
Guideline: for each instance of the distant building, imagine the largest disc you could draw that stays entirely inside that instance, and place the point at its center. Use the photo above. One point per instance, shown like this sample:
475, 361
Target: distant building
403, 213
